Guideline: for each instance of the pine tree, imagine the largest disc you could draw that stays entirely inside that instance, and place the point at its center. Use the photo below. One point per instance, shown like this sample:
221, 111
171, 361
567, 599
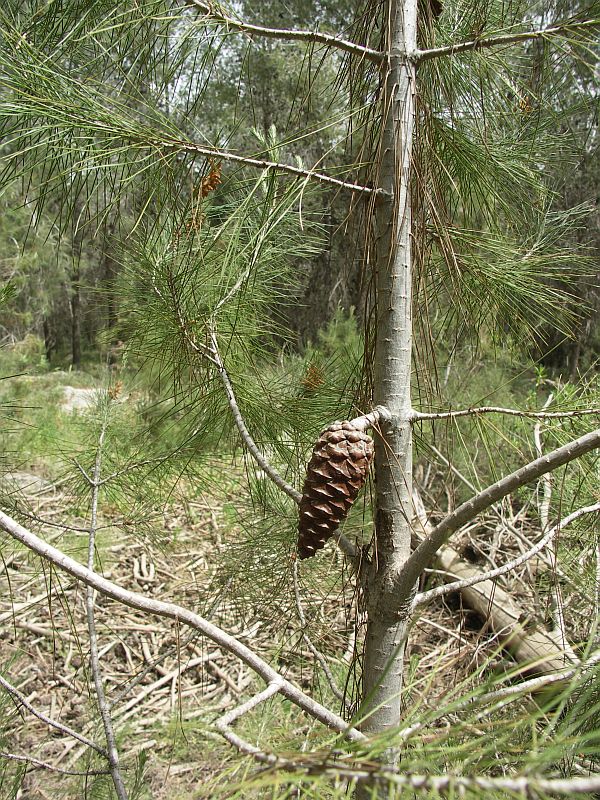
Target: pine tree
447, 137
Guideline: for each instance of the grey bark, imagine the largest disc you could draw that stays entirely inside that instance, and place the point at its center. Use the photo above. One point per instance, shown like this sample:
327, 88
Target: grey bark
387, 627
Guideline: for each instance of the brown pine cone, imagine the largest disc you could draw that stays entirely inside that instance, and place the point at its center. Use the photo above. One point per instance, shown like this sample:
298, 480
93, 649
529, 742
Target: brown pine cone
334, 476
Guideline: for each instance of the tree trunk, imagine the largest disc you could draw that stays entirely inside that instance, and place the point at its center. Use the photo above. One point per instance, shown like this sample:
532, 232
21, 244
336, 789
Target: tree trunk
110, 277
49, 341
386, 632
75, 318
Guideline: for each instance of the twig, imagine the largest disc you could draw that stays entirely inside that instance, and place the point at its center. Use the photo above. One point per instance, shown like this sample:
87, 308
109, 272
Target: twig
496, 507
35, 762
544, 512
183, 616
223, 725
509, 38
545, 479
455, 586
424, 553
103, 706
312, 37
512, 412
48, 720
305, 637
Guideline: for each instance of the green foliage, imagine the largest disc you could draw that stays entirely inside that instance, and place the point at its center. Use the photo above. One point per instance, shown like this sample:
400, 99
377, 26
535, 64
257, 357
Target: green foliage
539, 739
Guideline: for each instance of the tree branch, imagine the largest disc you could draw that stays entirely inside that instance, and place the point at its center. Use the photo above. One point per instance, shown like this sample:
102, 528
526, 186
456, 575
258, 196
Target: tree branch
223, 725
468, 412
103, 707
424, 553
183, 616
48, 720
35, 762
508, 693
253, 448
213, 13
505, 39
298, 172
455, 586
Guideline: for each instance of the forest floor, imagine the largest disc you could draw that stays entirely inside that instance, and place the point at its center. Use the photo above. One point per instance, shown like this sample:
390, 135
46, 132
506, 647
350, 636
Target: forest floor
167, 686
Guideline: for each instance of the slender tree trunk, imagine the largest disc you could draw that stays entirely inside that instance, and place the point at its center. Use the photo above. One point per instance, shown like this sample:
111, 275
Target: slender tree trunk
75, 298
49, 342
386, 631
110, 276
75, 317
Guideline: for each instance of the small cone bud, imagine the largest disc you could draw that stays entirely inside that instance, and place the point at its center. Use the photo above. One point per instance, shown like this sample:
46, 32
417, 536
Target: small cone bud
335, 474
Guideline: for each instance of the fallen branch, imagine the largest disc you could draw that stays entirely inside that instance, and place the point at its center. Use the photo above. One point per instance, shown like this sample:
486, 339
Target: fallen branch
539, 650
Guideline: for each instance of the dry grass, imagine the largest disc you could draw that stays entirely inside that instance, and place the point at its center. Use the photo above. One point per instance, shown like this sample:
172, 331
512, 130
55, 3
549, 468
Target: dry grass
166, 685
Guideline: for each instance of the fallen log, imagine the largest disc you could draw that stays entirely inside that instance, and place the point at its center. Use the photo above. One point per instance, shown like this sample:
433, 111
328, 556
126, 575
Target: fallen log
538, 649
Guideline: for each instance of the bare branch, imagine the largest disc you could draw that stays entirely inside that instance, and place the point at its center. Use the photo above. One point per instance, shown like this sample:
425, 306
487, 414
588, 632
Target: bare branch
424, 553
183, 616
213, 13
48, 720
455, 586
502, 696
35, 762
253, 448
544, 507
223, 725
103, 706
513, 412
523, 785
506, 39
535, 684
298, 172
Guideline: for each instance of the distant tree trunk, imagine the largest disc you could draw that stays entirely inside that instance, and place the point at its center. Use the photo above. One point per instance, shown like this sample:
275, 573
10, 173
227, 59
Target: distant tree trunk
110, 275
76, 317
49, 341
75, 298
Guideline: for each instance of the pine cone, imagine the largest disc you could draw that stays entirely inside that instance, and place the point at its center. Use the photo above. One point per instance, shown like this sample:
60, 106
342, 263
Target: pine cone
334, 476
